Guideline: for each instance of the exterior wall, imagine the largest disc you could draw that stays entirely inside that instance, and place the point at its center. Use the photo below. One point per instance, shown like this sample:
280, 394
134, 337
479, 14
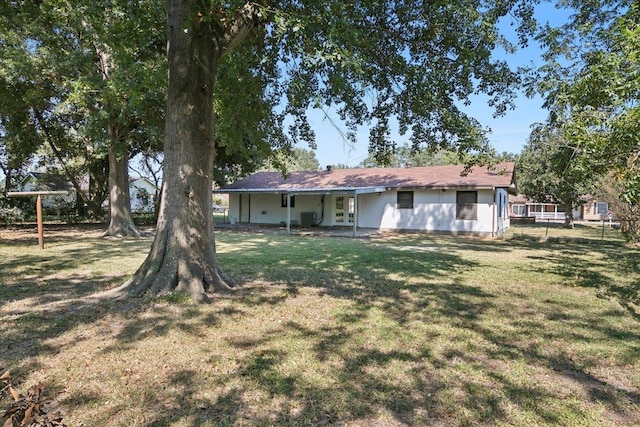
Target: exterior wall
501, 217
590, 211
433, 210
577, 214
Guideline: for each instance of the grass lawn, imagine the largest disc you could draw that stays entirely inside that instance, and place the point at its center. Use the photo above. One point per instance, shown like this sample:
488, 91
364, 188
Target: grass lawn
401, 329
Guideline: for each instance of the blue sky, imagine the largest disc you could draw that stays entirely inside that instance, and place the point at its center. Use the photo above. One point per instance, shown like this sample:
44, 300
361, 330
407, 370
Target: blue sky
508, 133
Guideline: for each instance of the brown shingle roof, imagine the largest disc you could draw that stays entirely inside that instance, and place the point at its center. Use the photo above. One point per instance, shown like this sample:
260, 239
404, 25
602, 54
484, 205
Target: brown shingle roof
414, 177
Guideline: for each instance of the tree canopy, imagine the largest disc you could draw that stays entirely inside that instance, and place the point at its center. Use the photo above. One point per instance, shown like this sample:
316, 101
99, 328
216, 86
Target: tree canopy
404, 155
376, 62
591, 81
88, 80
552, 169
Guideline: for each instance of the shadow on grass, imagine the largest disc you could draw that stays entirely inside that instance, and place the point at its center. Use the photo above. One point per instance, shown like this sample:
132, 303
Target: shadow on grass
616, 273
397, 288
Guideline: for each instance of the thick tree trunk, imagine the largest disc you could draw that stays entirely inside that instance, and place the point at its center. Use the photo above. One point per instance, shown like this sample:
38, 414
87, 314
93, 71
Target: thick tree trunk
183, 256
120, 219
568, 217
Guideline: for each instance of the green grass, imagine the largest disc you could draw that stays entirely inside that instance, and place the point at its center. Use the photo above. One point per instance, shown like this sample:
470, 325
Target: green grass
409, 329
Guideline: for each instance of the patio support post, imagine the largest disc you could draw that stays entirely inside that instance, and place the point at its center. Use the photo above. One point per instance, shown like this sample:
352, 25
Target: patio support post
355, 213
288, 213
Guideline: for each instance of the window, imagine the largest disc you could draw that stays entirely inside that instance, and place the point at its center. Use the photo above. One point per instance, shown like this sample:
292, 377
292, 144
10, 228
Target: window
340, 209
352, 209
518, 210
283, 201
602, 208
405, 199
467, 205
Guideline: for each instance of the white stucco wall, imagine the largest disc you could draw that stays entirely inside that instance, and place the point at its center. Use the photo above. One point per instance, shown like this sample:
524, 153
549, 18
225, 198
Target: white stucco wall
434, 210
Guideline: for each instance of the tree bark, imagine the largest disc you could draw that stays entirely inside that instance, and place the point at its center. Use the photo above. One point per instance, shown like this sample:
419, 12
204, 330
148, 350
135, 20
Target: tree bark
120, 218
568, 216
183, 254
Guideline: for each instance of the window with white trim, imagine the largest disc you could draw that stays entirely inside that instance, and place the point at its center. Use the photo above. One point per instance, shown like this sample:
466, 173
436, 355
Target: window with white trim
518, 210
602, 208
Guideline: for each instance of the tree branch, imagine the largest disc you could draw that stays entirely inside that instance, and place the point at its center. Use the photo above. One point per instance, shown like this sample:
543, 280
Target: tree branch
240, 27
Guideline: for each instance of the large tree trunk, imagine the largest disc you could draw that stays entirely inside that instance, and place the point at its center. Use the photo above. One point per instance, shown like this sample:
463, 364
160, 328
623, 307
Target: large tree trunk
120, 219
568, 216
183, 255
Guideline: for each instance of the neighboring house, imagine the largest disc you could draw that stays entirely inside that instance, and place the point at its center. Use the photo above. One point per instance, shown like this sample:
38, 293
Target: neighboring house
143, 195
432, 198
596, 210
593, 210
141, 190
522, 207
40, 181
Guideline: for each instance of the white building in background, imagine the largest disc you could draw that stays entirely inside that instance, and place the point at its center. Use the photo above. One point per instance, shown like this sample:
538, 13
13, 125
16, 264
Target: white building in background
143, 195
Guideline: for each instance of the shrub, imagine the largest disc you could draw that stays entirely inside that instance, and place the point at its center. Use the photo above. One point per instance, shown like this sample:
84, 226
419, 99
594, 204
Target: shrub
9, 214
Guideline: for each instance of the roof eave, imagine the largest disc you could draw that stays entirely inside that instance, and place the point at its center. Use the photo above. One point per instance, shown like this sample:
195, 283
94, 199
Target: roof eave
359, 190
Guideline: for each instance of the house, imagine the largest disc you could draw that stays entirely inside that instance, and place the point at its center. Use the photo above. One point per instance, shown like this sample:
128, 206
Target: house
40, 181
435, 198
521, 206
596, 210
592, 210
141, 191
143, 195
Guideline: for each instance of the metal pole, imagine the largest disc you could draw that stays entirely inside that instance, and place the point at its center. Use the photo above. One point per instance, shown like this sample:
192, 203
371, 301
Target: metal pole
546, 233
39, 221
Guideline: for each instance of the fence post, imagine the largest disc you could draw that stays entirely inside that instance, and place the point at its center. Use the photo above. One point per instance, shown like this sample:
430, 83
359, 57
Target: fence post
38, 195
546, 233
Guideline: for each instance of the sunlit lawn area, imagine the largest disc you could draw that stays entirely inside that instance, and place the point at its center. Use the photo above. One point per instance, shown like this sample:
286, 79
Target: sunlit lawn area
400, 329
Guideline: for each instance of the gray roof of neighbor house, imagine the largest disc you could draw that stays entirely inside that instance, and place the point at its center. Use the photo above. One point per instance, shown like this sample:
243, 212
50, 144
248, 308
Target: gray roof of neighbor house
55, 182
50, 181
377, 179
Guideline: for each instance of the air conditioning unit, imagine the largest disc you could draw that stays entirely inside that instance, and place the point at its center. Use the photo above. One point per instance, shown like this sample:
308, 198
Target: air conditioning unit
307, 219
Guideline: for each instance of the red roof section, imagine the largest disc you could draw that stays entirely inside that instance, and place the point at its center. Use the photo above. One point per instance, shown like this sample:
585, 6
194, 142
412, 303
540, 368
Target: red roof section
501, 175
